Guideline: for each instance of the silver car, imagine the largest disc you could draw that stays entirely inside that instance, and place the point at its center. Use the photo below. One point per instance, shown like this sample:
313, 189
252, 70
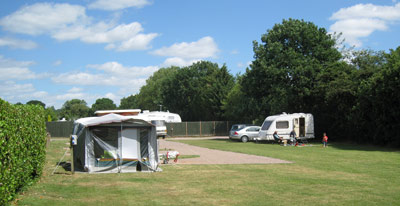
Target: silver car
245, 134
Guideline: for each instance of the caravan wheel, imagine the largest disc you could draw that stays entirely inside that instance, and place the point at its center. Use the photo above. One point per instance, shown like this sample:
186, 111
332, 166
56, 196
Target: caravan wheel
244, 139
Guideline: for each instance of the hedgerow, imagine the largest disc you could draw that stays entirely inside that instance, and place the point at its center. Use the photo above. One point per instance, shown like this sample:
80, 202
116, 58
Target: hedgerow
22, 147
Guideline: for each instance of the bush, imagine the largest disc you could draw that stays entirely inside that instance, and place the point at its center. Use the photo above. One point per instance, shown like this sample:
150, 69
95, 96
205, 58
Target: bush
22, 147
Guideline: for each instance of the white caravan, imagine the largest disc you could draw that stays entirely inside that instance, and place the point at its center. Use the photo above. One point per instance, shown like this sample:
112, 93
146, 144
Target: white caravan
159, 119
284, 124
156, 118
165, 116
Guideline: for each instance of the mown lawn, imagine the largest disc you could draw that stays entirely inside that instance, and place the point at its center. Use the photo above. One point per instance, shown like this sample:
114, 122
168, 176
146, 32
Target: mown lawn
341, 174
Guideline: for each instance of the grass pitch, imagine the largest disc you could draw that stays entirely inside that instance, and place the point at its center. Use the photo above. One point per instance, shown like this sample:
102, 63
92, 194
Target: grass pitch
341, 174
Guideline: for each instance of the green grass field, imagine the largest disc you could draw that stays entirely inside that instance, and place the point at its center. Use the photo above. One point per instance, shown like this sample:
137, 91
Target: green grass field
341, 174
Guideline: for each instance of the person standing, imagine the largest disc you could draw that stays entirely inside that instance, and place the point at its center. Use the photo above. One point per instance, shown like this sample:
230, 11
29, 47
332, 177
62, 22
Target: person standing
325, 140
292, 137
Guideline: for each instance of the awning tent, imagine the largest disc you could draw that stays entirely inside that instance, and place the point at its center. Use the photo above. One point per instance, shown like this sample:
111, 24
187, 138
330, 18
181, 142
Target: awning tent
115, 143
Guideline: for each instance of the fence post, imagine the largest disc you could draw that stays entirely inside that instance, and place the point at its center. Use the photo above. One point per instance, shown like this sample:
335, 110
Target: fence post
186, 130
214, 129
200, 128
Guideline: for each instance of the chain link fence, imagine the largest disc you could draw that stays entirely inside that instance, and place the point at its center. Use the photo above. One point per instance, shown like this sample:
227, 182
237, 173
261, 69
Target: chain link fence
209, 128
181, 129
60, 129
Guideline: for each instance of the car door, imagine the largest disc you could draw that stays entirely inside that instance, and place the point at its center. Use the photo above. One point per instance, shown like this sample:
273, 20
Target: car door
253, 132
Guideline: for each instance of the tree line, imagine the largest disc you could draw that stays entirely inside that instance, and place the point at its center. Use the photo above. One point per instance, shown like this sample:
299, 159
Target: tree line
298, 67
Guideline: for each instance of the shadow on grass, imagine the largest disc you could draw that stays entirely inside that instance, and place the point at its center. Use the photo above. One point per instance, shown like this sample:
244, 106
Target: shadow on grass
65, 165
316, 142
362, 147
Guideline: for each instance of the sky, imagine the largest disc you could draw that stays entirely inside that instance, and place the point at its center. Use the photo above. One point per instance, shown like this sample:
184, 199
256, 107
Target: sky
55, 51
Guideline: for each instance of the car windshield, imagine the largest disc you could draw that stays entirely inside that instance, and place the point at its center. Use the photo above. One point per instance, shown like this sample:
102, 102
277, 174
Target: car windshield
266, 125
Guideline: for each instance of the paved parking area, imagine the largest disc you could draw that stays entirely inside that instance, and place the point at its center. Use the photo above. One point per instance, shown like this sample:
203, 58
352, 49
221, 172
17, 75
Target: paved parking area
212, 156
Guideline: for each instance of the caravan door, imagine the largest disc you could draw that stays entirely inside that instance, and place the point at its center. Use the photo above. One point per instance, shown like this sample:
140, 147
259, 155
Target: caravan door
302, 127
299, 126
296, 126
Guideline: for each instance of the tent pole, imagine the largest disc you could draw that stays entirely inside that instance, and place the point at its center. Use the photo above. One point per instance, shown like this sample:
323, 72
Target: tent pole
72, 160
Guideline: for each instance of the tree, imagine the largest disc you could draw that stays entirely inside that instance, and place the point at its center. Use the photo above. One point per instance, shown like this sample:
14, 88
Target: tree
377, 110
218, 85
388, 100
37, 102
150, 95
130, 102
237, 106
103, 104
51, 114
74, 109
196, 92
283, 76
337, 91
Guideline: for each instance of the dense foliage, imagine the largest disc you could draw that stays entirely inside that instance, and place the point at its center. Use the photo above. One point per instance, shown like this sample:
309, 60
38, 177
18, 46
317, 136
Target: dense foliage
298, 68
376, 115
74, 109
22, 147
283, 76
196, 92
150, 96
129, 102
102, 104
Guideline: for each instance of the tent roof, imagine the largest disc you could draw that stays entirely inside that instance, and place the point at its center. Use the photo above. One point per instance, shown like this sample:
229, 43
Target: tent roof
109, 118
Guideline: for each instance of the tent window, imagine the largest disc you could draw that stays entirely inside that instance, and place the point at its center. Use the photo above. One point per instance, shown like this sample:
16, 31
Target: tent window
144, 139
107, 134
106, 147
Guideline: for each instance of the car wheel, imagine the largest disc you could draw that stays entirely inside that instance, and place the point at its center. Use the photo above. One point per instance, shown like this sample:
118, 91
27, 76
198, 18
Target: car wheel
244, 139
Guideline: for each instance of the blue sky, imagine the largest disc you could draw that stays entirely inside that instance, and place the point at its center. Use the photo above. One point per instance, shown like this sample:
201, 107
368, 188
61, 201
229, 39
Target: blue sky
54, 51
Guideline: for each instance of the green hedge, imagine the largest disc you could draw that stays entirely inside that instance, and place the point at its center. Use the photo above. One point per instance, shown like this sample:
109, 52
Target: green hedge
22, 147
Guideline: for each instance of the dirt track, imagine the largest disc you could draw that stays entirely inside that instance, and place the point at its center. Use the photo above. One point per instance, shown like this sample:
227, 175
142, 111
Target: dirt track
212, 156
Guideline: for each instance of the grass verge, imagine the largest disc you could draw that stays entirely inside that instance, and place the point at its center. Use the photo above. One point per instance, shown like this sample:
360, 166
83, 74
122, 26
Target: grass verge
341, 174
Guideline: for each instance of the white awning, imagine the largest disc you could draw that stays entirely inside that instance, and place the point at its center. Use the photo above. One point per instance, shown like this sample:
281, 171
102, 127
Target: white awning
109, 118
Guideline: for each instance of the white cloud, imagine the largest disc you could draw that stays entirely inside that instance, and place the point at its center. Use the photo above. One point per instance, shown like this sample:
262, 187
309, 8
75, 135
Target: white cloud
70, 22
75, 90
113, 97
234, 52
117, 4
41, 18
176, 61
137, 42
362, 20
242, 65
129, 79
57, 63
15, 70
11, 88
118, 69
184, 54
17, 43
123, 37
15, 92
203, 48
69, 96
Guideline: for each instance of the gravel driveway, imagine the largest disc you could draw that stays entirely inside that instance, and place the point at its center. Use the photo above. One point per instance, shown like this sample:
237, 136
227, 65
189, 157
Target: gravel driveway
212, 156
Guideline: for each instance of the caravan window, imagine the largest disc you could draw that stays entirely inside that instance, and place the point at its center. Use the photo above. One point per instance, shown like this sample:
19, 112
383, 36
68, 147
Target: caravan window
158, 123
282, 124
266, 125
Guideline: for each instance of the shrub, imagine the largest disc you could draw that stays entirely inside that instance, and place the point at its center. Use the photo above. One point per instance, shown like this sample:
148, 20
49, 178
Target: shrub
22, 147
